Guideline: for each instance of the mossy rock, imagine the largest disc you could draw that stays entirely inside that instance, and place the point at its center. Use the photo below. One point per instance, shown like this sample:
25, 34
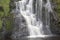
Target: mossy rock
58, 7
0, 24
5, 13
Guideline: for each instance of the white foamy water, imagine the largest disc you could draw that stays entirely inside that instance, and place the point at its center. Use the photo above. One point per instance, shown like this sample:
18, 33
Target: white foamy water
33, 25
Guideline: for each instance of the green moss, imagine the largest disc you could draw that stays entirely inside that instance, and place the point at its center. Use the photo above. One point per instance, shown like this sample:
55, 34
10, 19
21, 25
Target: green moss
58, 7
1, 14
8, 24
5, 5
0, 24
5, 14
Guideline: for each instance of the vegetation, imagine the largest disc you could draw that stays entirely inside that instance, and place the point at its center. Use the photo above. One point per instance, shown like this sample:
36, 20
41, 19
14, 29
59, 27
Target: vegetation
5, 6
5, 14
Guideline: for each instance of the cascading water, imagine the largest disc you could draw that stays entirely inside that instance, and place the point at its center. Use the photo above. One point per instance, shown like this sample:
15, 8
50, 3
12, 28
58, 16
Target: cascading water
37, 16
33, 25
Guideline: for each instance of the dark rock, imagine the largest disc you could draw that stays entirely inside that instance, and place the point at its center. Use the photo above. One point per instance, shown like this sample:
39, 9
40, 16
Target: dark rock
1, 8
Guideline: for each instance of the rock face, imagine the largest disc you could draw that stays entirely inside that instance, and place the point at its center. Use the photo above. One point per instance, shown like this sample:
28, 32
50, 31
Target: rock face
20, 30
55, 23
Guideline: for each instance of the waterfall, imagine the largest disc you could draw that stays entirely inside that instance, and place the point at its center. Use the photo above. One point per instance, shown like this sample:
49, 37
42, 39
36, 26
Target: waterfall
37, 16
33, 25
